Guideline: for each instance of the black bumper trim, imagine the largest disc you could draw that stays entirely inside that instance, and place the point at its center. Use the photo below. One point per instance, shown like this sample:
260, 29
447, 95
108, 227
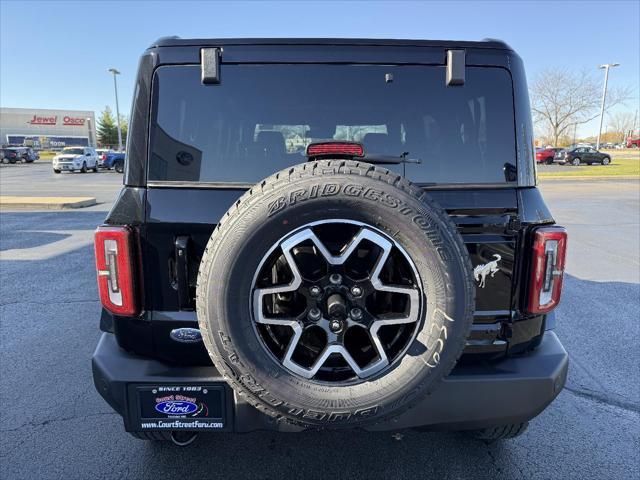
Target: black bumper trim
512, 390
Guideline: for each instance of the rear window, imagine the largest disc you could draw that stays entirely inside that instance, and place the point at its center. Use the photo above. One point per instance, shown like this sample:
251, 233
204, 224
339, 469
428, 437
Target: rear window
260, 119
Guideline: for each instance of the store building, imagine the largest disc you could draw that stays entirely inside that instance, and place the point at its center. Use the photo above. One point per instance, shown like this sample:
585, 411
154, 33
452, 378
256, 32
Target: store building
47, 129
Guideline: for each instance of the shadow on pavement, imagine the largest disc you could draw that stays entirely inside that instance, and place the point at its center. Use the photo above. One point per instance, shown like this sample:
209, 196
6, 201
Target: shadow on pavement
13, 222
19, 239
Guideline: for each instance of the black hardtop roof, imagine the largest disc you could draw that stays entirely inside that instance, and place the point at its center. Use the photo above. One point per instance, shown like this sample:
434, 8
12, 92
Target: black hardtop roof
204, 42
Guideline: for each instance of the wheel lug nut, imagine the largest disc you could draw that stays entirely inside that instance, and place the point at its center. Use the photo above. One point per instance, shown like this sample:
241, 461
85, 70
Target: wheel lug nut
356, 314
335, 278
356, 291
335, 325
315, 291
314, 314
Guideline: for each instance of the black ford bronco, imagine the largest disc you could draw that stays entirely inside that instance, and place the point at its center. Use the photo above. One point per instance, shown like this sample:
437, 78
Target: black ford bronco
327, 233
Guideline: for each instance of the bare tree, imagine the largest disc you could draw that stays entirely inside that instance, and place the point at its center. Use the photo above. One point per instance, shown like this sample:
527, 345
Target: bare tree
620, 123
561, 99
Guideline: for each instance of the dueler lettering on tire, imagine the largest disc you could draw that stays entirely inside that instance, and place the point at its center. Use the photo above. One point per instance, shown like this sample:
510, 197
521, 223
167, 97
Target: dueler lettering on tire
335, 293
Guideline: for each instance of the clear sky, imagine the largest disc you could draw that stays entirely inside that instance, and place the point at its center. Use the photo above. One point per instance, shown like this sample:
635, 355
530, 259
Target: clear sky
56, 54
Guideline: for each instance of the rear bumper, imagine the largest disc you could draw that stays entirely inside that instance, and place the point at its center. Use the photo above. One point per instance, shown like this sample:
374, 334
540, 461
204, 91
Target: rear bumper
510, 391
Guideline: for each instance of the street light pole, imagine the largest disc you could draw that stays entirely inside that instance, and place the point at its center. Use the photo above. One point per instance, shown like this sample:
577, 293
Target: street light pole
115, 86
90, 133
606, 67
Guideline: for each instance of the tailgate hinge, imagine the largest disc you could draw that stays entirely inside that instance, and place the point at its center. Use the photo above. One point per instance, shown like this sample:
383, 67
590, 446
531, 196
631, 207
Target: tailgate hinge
456, 63
210, 65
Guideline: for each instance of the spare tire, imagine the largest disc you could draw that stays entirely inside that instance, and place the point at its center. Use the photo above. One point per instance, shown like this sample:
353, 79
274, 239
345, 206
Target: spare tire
335, 294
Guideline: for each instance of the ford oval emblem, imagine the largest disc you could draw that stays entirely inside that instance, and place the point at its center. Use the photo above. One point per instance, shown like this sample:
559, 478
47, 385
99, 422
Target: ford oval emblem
186, 335
175, 407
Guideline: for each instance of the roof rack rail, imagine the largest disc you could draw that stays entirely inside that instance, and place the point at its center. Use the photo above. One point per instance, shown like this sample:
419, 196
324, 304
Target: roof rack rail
163, 39
497, 40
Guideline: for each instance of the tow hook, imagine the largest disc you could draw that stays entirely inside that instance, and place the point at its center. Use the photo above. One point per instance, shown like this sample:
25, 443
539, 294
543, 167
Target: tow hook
183, 443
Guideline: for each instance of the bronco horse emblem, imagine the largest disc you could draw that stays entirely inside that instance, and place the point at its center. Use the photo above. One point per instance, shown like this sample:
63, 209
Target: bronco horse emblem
481, 271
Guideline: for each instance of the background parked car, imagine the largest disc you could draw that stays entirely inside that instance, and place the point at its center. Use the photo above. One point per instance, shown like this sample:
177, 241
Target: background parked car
102, 154
111, 159
29, 155
10, 155
579, 155
76, 158
546, 155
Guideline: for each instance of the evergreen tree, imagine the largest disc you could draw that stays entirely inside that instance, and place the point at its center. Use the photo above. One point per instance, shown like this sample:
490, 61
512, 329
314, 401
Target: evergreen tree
107, 130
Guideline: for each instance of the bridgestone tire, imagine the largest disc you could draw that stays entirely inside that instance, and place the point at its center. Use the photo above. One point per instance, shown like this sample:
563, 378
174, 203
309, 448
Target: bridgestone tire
320, 191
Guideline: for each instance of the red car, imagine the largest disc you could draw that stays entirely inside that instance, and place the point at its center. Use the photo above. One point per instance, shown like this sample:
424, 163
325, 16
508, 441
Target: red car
545, 155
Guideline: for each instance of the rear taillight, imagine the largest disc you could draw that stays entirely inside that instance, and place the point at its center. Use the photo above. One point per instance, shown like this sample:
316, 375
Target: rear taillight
547, 269
116, 272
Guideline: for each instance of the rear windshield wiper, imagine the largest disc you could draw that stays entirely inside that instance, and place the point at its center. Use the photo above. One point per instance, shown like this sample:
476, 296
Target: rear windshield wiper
390, 159
354, 151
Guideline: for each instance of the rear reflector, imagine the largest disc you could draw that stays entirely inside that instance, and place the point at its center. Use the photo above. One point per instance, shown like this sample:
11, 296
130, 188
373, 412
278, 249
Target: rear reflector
547, 269
352, 149
114, 265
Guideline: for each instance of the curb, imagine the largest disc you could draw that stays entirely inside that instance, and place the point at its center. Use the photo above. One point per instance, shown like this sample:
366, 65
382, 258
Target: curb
45, 203
588, 177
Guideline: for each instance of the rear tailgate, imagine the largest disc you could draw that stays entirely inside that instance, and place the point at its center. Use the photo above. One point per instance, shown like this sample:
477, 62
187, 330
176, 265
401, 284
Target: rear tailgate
179, 222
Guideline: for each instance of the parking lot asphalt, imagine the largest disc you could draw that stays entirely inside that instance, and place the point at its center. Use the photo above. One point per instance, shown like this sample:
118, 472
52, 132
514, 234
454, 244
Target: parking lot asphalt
38, 179
54, 425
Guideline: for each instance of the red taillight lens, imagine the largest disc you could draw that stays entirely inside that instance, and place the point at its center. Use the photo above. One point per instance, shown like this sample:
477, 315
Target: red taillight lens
335, 148
547, 270
114, 265
103, 157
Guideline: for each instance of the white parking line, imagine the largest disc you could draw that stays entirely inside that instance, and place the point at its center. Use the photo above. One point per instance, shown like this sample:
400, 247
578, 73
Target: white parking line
76, 239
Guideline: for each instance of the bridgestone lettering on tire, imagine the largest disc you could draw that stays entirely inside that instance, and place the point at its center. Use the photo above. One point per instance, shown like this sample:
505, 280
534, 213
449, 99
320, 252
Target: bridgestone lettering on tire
335, 294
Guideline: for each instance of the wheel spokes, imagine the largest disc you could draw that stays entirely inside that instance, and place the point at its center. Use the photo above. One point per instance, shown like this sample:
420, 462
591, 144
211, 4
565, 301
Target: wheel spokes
334, 345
